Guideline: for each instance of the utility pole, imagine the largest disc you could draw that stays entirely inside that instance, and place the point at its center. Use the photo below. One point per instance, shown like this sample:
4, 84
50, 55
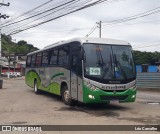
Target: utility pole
4, 16
100, 28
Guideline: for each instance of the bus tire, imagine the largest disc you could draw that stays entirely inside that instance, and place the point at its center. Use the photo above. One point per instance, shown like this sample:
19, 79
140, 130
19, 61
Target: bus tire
65, 97
36, 90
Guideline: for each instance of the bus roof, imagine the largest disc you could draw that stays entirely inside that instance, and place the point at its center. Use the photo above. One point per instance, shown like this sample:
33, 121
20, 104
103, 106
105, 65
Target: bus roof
84, 40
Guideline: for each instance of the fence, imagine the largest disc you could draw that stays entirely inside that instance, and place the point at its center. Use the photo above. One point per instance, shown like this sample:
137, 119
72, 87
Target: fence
148, 80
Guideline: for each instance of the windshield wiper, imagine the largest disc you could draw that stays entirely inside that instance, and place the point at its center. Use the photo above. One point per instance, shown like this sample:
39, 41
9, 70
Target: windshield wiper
100, 60
108, 69
117, 63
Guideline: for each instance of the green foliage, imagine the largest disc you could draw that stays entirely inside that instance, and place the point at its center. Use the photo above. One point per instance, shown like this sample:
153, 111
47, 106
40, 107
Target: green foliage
146, 57
22, 42
22, 47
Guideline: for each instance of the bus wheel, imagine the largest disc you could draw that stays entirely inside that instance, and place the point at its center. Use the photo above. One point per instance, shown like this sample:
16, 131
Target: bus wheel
65, 97
36, 90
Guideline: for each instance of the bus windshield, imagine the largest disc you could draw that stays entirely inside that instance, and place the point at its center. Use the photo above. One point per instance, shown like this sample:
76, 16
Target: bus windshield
109, 63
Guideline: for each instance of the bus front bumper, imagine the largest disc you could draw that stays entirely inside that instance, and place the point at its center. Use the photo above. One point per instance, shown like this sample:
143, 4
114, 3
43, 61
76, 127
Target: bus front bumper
101, 96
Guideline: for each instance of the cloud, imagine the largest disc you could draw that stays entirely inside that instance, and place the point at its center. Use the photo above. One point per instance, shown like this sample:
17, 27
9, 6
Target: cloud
79, 24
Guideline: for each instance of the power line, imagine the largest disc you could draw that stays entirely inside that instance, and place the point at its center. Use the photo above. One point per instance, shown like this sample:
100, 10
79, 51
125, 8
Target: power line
34, 21
25, 13
133, 17
92, 30
64, 14
150, 42
37, 14
71, 11
40, 13
147, 46
51, 13
130, 23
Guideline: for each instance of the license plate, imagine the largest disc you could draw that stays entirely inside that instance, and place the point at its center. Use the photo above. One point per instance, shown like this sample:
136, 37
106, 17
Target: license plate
114, 101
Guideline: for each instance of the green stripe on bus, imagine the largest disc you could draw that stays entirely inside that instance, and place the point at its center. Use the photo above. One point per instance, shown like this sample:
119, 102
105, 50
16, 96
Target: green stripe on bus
53, 88
58, 74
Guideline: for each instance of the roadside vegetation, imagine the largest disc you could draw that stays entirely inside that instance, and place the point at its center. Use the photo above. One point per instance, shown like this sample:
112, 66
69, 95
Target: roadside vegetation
21, 47
146, 57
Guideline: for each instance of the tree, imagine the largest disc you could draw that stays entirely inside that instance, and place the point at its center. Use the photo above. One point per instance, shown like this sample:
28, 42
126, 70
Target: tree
146, 57
22, 47
22, 42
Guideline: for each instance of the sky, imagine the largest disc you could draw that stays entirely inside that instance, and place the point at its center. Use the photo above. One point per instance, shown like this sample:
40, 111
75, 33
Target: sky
143, 33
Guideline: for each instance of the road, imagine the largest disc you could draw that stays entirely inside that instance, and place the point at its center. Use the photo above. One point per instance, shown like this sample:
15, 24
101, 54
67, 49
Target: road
149, 96
20, 106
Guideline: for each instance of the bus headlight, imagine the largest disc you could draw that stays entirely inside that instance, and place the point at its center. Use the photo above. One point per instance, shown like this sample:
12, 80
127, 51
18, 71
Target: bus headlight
133, 96
91, 96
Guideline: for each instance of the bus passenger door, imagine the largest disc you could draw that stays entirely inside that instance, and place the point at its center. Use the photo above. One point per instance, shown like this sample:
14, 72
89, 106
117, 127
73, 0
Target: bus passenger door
74, 77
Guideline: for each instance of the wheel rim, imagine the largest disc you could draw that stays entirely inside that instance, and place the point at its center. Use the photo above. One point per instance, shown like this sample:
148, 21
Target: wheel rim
66, 95
35, 87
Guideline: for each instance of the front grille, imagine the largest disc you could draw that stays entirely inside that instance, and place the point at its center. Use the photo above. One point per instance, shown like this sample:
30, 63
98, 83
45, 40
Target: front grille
114, 90
109, 98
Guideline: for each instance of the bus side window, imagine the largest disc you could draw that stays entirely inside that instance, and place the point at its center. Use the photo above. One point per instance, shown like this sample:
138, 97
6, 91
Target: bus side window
28, 63
33, 60
38, 59
45, 58
53, 57
63, 55
74, 63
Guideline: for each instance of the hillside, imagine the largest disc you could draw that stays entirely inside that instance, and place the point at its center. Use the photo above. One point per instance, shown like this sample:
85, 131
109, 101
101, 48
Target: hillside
21, 47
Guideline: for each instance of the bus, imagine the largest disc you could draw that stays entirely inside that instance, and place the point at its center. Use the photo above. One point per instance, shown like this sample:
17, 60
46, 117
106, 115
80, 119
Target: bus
87, 70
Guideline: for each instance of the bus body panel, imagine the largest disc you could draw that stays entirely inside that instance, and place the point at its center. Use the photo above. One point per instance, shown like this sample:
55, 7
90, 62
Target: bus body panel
49, 78
83, 91
80, 89
101, 96
50, 81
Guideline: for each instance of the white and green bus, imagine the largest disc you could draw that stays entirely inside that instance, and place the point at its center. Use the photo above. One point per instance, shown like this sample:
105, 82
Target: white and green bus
88, 70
